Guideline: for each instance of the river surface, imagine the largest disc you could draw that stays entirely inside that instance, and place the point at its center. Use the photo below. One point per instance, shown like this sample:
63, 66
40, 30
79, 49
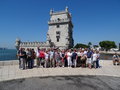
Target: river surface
8, 54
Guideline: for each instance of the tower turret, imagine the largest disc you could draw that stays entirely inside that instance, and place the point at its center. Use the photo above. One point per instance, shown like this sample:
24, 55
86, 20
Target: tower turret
17, 43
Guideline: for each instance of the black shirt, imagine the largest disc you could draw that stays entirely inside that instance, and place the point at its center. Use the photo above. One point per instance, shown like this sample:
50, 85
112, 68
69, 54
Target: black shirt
23, 53
74, 55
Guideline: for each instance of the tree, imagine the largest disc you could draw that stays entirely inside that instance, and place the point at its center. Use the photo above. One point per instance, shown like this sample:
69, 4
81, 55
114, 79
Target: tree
80, 45
89, 44
107, 45
95, 46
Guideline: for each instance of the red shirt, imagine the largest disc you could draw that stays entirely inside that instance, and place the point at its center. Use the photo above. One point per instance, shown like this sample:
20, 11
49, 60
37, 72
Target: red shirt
42, 54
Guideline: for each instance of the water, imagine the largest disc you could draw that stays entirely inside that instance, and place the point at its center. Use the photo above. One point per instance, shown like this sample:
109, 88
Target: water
8, 54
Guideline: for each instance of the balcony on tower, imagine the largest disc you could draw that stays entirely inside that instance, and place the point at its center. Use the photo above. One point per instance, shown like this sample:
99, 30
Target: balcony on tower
59, 21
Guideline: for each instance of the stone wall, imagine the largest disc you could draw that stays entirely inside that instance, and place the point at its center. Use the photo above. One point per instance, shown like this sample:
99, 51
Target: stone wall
11, 62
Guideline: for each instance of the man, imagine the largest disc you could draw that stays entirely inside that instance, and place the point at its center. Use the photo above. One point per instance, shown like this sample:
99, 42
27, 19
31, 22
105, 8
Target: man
19, 57
89, 58
116, 59
74, 58
22, 56
29, 58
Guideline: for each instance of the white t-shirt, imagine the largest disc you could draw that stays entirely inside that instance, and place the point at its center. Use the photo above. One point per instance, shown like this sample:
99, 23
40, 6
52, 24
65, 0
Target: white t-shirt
37, 53
78, 53
69, 55
85, 52
51, 54
46, 56
95, 57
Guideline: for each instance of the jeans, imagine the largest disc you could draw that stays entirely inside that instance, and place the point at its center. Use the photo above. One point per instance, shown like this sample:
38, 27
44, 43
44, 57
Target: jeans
74, 62
30, 63
22, 63
97, 64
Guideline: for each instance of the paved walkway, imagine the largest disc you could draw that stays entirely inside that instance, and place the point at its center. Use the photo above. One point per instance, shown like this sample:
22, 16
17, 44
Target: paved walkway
13, 72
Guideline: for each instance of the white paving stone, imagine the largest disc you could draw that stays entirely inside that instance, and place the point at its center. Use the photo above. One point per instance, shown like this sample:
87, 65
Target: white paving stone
13, 71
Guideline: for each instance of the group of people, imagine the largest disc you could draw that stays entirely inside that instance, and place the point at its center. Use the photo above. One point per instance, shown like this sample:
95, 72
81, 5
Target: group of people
26, 58
58, 58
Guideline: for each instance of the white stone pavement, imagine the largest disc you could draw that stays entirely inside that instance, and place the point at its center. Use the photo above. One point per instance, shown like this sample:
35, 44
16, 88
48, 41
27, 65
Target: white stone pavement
10, 72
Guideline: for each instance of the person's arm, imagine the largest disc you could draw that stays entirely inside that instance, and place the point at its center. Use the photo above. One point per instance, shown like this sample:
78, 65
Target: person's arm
76, 56
118, 58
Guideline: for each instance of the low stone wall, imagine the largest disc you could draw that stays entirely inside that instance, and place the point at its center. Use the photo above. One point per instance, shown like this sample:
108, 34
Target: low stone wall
10, 62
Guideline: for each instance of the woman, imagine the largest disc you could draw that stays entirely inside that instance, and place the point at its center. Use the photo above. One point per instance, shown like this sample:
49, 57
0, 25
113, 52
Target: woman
46, 59
94, 56
98, 58
83, 59
33, 57
79, 58
69, 56
57, 58
62, 58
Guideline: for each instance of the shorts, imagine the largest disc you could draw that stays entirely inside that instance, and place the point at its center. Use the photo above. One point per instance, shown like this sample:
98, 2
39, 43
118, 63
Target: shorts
116, 60
51, 57
89, 61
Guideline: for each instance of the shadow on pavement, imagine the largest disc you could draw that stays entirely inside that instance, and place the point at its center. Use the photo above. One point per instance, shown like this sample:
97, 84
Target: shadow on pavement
63, 83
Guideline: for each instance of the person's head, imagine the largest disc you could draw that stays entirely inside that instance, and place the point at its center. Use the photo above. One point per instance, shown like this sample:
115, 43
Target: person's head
74, 50
46, 51
23, 49
94, 51
20, 49
69, 50
38, 48
88, 50
85, 49
32, 49
97, 51
82, 51
28, 49
63, 51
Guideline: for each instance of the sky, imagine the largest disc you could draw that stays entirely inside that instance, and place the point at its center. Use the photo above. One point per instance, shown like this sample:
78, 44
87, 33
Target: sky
93, 20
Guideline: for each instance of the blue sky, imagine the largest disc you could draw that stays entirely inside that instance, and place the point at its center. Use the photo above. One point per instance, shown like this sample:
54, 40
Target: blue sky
93, 20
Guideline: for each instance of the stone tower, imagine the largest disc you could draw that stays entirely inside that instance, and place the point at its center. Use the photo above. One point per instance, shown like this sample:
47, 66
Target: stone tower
61, 29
